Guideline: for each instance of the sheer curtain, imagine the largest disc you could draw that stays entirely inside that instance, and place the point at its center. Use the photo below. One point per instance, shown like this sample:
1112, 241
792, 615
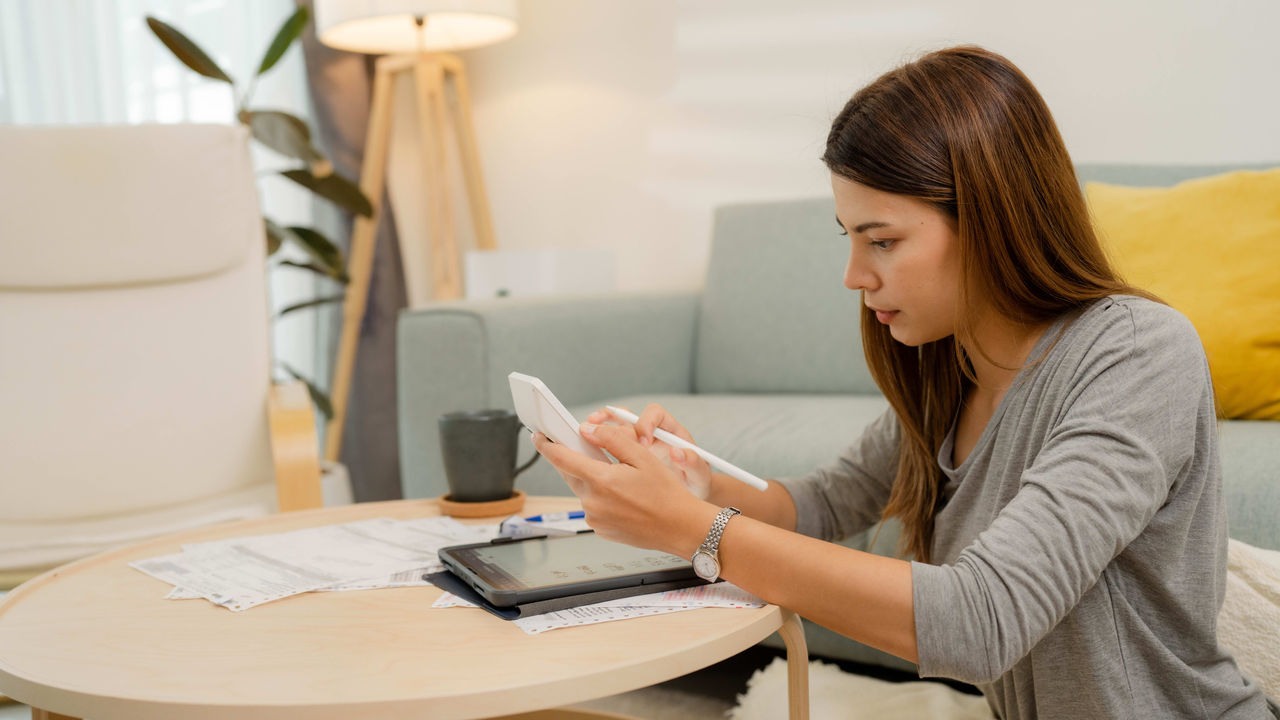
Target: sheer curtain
95, 61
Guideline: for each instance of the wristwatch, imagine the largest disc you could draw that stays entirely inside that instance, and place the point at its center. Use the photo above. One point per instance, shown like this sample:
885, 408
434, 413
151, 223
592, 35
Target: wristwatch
706, 560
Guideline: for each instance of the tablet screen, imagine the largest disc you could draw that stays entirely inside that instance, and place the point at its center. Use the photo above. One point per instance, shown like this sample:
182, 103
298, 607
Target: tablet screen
563, 561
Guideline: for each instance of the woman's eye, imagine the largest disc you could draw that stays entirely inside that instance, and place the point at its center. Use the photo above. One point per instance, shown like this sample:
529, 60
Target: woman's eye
882, 244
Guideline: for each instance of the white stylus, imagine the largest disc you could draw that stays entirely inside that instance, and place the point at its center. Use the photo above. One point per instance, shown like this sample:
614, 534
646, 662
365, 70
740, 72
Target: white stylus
724, 466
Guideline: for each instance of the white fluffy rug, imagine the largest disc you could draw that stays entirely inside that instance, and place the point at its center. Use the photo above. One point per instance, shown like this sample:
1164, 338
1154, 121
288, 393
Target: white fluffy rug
838, 695
1250, 617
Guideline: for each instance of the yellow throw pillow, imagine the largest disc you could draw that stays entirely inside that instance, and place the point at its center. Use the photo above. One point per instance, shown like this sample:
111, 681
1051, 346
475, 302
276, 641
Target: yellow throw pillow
1209, 247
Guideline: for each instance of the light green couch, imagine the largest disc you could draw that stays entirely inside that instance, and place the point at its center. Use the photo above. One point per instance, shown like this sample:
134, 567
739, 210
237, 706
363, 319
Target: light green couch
764, 366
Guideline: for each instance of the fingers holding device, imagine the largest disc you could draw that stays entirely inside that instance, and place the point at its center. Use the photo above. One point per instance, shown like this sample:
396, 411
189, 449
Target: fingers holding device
541, 411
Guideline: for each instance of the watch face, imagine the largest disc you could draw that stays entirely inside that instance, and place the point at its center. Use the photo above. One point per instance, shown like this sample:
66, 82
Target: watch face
705, 566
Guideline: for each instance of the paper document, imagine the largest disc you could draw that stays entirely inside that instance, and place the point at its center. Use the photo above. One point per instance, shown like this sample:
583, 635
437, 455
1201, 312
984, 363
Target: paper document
406, 578
587, 615
241, 573
701, 596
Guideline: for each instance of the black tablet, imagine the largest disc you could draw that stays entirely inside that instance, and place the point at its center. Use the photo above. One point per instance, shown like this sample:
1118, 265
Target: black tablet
512, 572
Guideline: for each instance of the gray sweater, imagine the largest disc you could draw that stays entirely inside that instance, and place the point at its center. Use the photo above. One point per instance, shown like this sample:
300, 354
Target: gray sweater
1081, 548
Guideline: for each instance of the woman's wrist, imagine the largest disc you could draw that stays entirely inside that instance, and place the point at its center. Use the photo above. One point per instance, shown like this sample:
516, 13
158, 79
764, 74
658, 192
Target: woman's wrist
774, 506
691, 528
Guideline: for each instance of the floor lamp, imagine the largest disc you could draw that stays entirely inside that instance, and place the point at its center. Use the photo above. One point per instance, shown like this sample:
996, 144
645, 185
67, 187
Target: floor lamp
413, 36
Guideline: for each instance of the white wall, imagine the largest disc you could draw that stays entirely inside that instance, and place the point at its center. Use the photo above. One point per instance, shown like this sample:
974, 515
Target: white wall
622, 123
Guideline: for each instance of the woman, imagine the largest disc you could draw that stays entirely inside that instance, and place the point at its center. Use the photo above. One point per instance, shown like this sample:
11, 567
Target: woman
1050, 446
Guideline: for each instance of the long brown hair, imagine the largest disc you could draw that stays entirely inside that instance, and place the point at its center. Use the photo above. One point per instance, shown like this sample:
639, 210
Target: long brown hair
965, 131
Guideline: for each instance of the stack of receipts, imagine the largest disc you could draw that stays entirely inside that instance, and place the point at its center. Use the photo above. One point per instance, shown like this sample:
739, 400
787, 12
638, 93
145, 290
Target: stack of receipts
244, 572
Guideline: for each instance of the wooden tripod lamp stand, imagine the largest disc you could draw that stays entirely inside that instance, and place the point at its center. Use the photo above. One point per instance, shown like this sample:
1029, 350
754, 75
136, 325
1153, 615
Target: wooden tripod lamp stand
414, 36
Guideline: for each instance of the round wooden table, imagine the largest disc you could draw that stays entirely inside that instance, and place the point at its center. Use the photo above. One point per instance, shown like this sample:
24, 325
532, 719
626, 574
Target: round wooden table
97, 638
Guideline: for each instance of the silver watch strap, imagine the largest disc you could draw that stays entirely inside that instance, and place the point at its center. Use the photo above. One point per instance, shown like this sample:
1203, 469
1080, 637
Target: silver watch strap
712, 543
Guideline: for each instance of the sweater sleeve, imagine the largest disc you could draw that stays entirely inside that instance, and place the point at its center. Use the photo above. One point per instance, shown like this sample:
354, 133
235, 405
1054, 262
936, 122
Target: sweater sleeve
1126, 429
846, 497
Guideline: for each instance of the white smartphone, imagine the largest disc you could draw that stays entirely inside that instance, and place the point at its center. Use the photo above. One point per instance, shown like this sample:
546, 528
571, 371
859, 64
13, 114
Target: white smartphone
540, 411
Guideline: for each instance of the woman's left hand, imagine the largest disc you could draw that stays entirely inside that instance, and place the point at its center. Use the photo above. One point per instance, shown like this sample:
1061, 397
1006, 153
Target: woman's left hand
639, 500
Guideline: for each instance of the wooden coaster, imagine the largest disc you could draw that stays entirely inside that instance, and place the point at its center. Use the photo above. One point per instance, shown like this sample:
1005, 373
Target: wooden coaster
492, 508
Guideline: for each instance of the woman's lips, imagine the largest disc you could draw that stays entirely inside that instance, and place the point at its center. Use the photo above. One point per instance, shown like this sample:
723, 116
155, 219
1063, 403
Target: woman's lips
886, 316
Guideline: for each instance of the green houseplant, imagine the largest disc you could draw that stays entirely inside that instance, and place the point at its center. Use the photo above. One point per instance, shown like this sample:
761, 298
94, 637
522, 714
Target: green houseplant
289, 136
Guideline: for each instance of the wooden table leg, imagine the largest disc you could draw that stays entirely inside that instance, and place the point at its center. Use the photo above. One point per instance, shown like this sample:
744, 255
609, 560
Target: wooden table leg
792, 633
38, 714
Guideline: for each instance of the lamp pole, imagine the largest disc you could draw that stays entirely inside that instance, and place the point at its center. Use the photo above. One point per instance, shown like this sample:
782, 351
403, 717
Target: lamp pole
432, 71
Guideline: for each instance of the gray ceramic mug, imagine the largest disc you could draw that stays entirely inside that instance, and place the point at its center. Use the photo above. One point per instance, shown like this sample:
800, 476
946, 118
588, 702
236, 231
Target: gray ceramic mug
479, 449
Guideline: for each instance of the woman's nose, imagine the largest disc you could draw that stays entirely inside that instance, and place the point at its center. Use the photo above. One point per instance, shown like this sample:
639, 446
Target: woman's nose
856, 274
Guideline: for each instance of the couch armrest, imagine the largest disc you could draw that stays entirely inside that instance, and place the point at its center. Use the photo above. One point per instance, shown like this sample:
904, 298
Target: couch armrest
295, 450
456, 356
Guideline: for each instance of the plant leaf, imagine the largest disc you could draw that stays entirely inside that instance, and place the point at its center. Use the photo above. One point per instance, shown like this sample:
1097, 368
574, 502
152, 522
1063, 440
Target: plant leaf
344, 278
335, 188
285, 36
188, 52
321, 249
276, 236
318, 396
286, 134
311, 303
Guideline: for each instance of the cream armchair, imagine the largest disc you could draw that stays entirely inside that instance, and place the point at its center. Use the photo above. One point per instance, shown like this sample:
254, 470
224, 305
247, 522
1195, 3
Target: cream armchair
135, 392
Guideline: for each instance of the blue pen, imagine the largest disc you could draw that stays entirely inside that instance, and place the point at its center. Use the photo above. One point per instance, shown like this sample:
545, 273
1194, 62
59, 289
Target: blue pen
553, 517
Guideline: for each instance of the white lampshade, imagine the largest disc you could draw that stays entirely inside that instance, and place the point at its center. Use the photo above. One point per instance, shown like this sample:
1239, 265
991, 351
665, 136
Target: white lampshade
386, 26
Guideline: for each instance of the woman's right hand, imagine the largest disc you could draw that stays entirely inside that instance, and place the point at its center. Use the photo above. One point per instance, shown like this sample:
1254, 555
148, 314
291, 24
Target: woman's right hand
692, 469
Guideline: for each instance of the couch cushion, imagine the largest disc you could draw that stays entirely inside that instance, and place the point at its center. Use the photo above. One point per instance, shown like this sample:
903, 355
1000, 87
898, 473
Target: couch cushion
132, 397
769, 435
775, 316
1199, 246
1250, 453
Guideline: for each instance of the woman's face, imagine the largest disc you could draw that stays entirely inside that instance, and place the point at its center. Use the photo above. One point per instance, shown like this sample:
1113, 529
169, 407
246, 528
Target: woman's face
903, 257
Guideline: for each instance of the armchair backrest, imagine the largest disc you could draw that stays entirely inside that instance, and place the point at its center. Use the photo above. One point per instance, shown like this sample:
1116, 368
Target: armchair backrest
134, 363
